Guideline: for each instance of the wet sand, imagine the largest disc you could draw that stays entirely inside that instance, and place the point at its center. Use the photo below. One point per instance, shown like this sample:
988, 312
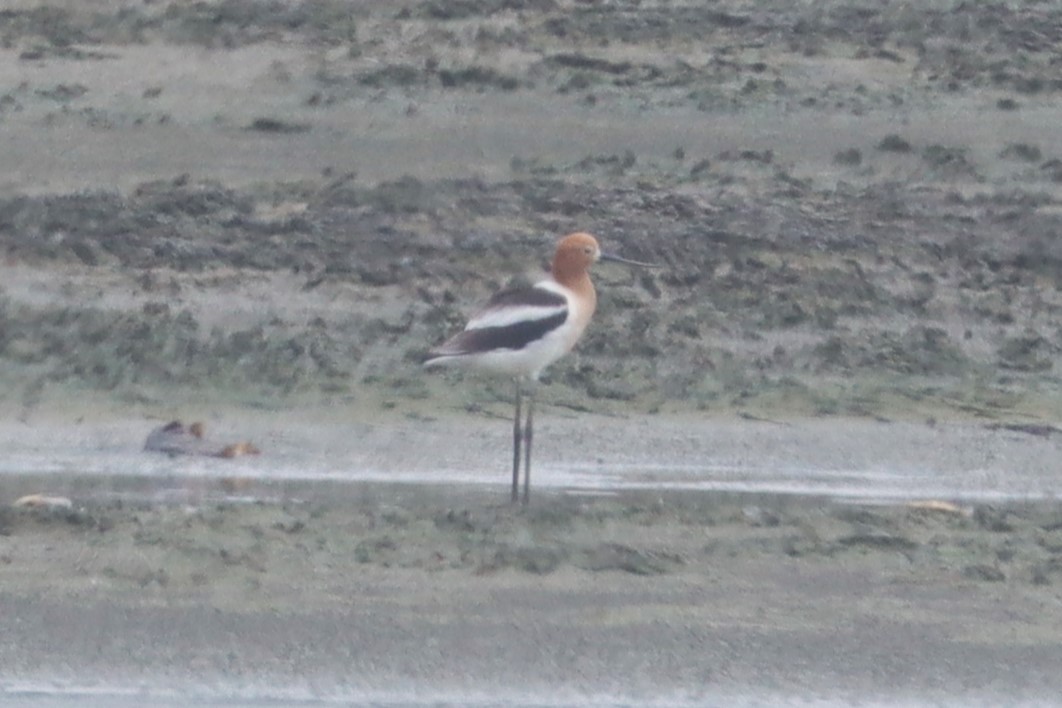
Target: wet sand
335, 590
258, 213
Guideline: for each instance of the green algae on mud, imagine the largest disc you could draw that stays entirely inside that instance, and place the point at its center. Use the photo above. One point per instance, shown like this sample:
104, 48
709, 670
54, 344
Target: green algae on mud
361, 582
344, 298
276, 531
796, 284
279, 528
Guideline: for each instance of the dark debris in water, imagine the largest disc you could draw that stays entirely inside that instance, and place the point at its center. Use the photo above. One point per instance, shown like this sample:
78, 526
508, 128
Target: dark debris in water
1041, 430
276, 125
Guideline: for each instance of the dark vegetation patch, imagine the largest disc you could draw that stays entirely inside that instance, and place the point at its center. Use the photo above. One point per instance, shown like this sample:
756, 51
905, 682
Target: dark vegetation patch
807, 269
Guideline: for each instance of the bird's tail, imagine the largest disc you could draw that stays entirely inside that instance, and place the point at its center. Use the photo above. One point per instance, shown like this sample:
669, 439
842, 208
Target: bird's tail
437, 359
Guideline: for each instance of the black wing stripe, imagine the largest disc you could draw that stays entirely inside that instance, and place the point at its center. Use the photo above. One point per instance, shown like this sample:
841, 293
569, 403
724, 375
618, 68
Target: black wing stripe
510, 337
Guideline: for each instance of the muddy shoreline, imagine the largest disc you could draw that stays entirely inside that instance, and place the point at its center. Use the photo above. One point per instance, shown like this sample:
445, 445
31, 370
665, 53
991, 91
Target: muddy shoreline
352, 588
856, 209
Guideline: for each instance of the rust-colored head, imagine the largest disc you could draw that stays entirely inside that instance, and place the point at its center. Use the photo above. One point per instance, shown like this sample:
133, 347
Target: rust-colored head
575, 254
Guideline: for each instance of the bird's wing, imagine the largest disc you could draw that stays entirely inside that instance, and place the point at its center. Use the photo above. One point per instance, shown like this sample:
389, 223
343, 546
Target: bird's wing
511, 320
528, 304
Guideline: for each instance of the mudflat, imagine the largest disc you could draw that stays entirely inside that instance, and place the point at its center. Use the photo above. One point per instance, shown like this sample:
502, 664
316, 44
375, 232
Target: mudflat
252, 212
361, 590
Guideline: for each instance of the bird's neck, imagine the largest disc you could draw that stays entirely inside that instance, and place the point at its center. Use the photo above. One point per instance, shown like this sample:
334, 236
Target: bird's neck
579, 283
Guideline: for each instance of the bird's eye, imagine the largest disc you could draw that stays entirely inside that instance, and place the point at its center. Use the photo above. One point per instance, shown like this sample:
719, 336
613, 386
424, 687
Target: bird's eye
588, 250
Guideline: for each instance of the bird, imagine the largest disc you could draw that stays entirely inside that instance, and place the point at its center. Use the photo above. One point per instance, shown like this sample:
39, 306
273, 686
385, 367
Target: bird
523, 330
175, 438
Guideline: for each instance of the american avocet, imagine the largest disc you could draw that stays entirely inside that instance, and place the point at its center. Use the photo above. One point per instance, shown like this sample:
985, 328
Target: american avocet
522, 331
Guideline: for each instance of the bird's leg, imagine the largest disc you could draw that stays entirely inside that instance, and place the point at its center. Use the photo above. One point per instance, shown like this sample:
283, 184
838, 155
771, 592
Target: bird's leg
516, 445
527, 446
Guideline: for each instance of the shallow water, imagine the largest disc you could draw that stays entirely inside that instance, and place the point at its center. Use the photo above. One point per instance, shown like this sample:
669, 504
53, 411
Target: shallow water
853, 459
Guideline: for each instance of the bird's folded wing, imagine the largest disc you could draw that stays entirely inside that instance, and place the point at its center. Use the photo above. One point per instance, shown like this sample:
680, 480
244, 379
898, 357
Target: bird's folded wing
511, 320
542, 301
